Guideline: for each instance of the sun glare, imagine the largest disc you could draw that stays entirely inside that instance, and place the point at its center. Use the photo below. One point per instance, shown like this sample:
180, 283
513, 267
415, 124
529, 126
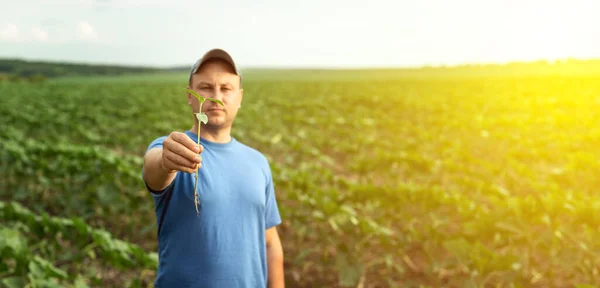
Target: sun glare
548, 31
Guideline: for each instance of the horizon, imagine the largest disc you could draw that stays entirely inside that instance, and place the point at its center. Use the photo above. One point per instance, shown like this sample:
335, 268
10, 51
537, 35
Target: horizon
274, 35
441, 66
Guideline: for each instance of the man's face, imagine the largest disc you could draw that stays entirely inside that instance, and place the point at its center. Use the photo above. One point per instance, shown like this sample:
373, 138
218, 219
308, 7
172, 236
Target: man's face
216, 79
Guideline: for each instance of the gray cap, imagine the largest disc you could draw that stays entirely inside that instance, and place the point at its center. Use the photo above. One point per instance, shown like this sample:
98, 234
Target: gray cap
216, 53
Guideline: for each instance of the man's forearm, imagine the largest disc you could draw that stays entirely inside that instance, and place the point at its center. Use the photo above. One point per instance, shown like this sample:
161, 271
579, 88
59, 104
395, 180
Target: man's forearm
155, 175
275, 264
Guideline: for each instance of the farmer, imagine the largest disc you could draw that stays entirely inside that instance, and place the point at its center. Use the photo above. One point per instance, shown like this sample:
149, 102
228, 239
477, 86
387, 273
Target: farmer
232, 240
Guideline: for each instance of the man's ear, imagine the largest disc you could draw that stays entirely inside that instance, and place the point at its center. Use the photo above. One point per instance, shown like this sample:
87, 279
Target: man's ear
189, 96
241, 96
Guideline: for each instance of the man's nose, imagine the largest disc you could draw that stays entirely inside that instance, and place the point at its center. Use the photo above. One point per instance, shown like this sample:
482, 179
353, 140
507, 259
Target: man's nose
211, 93
217, 94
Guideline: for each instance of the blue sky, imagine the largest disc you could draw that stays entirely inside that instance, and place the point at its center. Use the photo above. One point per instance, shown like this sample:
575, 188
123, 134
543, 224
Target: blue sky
309, 33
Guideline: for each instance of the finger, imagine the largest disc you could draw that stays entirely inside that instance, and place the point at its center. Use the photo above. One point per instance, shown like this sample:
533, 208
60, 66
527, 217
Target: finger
183, 151
184, 140
180, 160
173, 165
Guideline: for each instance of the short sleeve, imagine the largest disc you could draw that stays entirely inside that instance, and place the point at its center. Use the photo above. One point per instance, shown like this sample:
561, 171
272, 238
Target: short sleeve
157, 143
272, 216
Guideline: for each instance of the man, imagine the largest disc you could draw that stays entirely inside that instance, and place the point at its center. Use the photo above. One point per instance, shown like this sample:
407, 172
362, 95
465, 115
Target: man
232, 241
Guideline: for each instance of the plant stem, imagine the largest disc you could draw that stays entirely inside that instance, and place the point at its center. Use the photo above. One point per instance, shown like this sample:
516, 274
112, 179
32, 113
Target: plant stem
196, 200
201, 100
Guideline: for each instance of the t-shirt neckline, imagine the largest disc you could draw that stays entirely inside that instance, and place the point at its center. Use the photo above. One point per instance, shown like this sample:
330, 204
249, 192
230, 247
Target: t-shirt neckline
211, 144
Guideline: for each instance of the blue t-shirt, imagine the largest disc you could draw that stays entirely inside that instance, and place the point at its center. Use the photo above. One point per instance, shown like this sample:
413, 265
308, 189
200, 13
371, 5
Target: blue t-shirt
223, 246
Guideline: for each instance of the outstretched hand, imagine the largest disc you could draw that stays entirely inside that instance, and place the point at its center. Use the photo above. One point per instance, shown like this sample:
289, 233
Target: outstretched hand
180, 153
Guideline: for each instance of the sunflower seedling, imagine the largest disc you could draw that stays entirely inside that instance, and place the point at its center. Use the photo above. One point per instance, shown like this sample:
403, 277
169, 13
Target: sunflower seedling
202, 118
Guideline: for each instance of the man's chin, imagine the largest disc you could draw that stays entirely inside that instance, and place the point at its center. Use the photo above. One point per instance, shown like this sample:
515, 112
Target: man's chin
216, 123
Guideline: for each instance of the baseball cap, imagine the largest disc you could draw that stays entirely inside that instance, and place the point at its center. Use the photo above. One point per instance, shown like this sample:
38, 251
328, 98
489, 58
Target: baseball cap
216, 53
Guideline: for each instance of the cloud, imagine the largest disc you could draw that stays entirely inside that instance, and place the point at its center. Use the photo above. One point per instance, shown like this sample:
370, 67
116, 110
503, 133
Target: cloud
86, 31
50, 31
9, 31
39, 34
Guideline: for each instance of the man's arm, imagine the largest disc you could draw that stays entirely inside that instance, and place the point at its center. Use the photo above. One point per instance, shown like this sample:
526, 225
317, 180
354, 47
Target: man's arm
157, 177
177, 153
274, 259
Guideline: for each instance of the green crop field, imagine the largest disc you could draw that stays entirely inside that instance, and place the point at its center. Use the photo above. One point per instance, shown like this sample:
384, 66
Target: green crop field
383, 179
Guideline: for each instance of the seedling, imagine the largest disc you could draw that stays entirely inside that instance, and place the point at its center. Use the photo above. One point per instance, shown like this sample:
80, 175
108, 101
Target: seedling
202, 118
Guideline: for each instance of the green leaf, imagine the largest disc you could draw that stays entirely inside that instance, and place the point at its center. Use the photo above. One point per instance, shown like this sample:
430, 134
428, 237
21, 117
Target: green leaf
80, 282
35, 270
46, 283
216, 101
202, 99
13, 282
11, 239
195, 95
202, 117
43, 268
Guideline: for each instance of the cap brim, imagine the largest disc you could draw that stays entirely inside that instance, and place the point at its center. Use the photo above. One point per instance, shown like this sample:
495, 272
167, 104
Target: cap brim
219, 54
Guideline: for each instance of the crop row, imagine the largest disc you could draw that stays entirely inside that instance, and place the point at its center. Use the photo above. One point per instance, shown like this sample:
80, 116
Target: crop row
65, 180
54, 241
